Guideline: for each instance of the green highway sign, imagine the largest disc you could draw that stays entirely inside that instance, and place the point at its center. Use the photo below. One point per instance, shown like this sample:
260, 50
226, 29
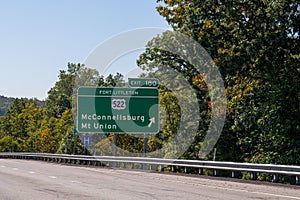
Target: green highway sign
143, 82
117, 110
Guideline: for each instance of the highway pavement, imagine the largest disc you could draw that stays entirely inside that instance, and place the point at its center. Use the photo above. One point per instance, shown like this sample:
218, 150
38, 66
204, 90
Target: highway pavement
30, 180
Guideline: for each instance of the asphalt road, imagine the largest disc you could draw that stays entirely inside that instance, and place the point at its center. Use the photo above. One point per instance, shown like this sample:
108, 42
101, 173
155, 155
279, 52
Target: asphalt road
30, 180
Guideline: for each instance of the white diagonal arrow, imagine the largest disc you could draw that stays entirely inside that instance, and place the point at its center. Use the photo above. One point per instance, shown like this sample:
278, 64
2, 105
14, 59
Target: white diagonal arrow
152, 121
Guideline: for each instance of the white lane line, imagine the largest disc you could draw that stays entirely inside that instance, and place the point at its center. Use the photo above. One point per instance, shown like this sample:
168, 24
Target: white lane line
31, 172
208, 186
15, 168
243, 190
3, 166
276, 195
53, 177
230, 189
75, 181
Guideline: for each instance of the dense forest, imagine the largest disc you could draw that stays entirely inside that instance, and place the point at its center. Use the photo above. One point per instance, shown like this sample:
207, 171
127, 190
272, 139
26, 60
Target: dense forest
254, 44
31, 125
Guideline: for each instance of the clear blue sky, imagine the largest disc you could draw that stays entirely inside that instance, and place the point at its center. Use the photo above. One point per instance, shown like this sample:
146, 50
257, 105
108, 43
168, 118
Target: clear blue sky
39, 37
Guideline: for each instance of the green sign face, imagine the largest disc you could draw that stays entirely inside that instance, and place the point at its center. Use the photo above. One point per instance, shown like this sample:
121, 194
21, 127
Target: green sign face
143, 82
117, 110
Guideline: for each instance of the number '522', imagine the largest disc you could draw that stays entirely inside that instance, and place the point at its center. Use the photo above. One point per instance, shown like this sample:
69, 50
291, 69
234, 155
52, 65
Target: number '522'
118, 104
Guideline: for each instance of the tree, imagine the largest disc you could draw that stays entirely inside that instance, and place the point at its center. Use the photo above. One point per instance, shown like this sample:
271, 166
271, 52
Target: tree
60, 96
19, 126
30, 127
255, 45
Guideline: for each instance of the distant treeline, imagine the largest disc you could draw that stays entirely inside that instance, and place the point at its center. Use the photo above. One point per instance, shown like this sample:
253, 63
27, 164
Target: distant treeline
6, 102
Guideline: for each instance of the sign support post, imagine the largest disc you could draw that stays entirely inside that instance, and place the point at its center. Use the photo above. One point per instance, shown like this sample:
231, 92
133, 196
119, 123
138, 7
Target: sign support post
75, 140
145, 145
115, 144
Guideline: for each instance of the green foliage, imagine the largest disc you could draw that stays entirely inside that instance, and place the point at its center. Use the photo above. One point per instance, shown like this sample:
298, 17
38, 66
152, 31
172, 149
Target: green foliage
255, 45
60, 96
161, 64
19, 125
29, 126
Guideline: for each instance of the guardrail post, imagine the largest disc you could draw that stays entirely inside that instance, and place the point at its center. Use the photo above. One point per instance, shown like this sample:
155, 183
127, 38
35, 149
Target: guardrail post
216, 172
201, 171
275, 178
234, 174
161, 168
297, 180
173, 168
124, 165
187, 170
253, 175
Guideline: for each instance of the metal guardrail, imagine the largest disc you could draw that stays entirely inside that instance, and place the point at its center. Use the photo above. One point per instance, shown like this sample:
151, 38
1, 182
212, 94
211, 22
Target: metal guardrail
159, 164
